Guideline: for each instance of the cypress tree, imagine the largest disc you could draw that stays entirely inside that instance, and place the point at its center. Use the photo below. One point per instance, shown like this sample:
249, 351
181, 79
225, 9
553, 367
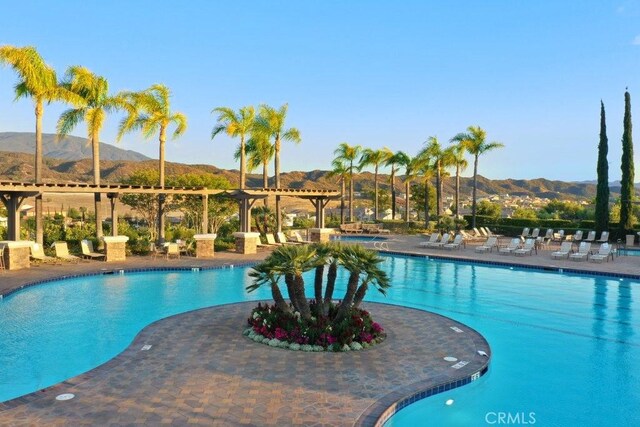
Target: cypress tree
602, 195
626, 192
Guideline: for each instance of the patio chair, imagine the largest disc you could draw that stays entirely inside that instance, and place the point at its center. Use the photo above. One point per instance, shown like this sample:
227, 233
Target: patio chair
62, 252
491, 233
155, 251
577, 237
295, 235
604, 237
468, 237
604, 252
443, 241
271, 240
37, 254
583, 252
458, 241
283, 239
492, 242
88, 252
528, 248
510, 248
172, 250
432, 239
591, 237
564, 251
559, 236
525, 232
481, 232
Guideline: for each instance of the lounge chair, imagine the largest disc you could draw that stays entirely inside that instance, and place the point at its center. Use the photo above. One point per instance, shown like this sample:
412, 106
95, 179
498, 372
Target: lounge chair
155, 251
559, 236
549, 234
510, 248
525, 232
604, 252
271, 240
591, 237
295, 235
491, 233
481, 232
432, 239
172, 250
62, 252
458, 241
583, 252
283, 239
577, 237
604, 237
488, 246
88, 252
445, 239
37, 254
564, 251
528, 248
469, 237
535, 233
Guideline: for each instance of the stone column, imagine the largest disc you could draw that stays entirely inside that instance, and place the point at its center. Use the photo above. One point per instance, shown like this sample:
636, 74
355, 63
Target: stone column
204, 245
115, 248
246, 243
16, 254
321, 235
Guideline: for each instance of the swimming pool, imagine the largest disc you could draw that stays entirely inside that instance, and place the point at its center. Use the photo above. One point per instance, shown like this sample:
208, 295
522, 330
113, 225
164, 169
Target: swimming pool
359, 238
565, 347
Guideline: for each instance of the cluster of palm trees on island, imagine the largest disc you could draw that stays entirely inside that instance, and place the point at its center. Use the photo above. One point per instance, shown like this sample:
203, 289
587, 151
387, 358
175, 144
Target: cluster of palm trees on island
432, 161
261, 132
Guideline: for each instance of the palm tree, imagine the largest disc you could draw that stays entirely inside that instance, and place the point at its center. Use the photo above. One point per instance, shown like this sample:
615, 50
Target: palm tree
260, 152
236, 125
150, 112
272, 122
293, 261
373, 158
373, 275
393, 160
38, 81
425, 167
348, 155
342, 170
458, 151
474, 141
433, 150
265, 274
94, 91
405, 160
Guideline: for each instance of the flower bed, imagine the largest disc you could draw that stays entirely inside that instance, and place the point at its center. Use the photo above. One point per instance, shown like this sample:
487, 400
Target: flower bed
272, 326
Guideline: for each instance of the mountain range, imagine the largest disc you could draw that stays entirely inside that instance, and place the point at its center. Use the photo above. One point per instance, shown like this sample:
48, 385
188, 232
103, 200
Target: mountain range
70, 161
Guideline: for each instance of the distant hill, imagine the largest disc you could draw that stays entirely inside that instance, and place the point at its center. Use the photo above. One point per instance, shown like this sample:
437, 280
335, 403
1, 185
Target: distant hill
69, 148
19, 167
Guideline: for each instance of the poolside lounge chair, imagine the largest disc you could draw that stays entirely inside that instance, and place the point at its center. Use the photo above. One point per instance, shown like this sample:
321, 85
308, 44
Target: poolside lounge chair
604, 237
88, 252
591, 237
283, 239
549, 234
480, 233
468, 237
172, 250
604, 252
62, 252
445, 239
488, 246
510, 248
37, 254
271, 240
525, 232
432, 239
583, 252
458, 241
528, 248
564, 251
577, 237
295, 235
491, 233
155, 251
559, 236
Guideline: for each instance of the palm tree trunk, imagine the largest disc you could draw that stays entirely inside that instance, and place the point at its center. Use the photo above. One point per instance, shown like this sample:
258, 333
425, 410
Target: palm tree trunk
343, 189
457, 190
243, 163
393, 193
426, 203
277, 172
473, 197
375, 202
438, 190
38, 173
351, 218
331, 282
305, 310
360, 293
279, 299
161, 197
345, 305
265, 184
407, 195
317, 287
291, 290
95, 148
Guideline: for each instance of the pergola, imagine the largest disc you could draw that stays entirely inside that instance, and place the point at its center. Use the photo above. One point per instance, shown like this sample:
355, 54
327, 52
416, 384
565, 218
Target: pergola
13, 194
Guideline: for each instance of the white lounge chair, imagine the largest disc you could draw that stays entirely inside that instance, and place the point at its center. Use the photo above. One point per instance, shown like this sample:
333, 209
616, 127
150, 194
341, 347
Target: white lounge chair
432, 239
283, 239
172, 250
445, 239
528, 248
488, 246
604, 237
37, 254
458, 241
604, 252
295, 234
563, 252
88, 252
480, 233
510, 248
62, 252
535, 233
525, 232
591, 237
578, 236
559, 236
583, 252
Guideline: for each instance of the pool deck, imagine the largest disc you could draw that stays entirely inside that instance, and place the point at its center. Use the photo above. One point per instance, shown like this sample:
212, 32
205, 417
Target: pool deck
200, 370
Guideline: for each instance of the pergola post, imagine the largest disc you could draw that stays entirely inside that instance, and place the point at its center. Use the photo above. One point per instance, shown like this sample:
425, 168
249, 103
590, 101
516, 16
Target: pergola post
12, 202
205, 213
113, 199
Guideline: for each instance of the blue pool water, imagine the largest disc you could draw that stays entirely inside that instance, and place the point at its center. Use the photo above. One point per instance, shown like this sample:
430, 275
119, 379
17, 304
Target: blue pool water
358, 238
566, 349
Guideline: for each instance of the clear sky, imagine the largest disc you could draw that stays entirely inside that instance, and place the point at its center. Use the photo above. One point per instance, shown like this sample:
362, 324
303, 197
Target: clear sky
374, 73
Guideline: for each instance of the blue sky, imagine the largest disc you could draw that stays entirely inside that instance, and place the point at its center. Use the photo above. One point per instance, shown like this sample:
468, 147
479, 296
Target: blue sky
374, 73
